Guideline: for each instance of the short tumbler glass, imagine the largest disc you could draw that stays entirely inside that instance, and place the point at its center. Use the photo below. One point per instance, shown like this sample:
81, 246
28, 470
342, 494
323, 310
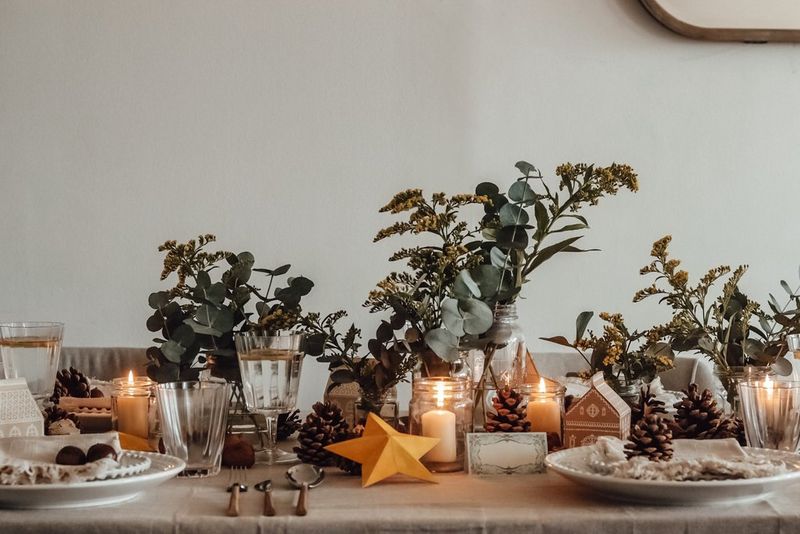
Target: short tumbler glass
31, 350
771, 414
194, 416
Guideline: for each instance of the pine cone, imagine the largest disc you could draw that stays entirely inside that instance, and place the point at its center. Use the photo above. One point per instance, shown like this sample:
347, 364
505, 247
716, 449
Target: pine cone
651, 437
725, 428
647, 405
53, 414
288, 424
73, 383
323, 426
509, 415
349, 466
696, 414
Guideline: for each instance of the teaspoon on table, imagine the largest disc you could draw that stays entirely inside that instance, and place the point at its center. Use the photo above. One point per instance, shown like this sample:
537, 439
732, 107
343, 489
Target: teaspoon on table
266, 487
304, 477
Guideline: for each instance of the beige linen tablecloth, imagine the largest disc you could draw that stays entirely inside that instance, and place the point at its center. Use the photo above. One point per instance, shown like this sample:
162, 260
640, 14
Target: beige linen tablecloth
543, 503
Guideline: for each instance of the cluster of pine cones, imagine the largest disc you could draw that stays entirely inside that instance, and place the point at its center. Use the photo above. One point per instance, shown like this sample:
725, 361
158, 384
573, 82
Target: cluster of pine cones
72, 383
324, 426
697, 417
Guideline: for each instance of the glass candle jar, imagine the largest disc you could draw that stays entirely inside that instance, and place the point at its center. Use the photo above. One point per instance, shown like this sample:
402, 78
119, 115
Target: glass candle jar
441, 407
771, 413
545, 410
133, 407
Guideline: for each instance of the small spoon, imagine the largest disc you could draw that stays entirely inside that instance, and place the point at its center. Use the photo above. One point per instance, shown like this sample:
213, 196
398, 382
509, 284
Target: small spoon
266, 487
304, 477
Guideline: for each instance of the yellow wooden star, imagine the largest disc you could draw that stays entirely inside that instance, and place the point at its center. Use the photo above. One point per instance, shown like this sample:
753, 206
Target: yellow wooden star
382, 452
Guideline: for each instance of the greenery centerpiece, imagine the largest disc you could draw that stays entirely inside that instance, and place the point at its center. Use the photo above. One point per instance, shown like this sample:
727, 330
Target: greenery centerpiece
198, 316
723, 323
625, 357
422, 300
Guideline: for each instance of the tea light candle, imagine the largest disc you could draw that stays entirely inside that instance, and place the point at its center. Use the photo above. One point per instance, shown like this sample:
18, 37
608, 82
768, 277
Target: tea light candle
132, 405
544, 413
440, 423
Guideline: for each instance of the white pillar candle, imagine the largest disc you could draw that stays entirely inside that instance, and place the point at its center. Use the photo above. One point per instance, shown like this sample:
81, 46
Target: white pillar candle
440, 423
544, 414
132, 415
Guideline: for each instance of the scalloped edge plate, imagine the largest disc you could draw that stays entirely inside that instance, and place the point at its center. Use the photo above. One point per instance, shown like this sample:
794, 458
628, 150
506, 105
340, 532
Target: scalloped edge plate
573, 465
94, 493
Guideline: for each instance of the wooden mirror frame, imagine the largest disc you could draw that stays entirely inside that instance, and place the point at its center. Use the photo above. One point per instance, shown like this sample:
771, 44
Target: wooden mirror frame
779, 10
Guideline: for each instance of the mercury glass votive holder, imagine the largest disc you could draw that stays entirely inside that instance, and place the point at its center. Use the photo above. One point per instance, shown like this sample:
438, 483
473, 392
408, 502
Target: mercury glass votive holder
441, 407
771, 413
545, 410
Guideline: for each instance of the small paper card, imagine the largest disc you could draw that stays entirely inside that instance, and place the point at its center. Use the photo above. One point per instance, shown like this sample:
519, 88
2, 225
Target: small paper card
506, 453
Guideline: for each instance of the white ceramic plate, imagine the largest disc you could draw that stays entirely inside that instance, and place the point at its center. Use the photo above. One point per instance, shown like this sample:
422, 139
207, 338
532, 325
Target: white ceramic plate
572, 464
95, 493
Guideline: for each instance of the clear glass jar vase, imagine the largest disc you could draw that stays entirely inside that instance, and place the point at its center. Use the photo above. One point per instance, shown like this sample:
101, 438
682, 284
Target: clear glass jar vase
384, 406
726, 379
441, 408
629, 389
497, 361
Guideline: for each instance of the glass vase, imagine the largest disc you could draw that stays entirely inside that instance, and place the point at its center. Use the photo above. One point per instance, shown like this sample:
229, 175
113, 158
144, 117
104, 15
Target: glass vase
498, 361
442, 408
629, 389
726, 380
384, 406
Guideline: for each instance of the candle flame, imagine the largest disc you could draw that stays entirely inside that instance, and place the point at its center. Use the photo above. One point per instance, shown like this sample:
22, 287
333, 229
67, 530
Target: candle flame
439, 394
130, 377
542, 385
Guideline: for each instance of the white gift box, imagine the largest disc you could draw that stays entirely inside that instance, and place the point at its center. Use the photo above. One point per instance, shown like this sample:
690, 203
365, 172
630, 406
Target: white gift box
19, 414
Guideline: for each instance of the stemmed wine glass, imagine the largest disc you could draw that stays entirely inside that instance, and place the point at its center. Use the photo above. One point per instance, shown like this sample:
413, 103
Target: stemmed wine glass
270, 368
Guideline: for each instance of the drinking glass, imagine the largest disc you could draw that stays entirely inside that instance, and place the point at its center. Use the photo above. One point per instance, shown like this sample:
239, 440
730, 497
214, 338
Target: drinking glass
194, 416
771, 413
270, 368
31, 350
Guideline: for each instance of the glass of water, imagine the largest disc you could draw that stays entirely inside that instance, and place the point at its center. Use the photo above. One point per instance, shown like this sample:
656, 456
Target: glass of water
194, 416
31, 350
270, 368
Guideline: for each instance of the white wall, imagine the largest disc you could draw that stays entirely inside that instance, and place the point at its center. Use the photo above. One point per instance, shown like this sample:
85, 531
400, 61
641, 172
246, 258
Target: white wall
282, 126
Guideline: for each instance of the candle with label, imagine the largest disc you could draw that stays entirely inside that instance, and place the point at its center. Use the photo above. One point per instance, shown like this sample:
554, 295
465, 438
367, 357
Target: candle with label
544, 410
130, 402
440, 423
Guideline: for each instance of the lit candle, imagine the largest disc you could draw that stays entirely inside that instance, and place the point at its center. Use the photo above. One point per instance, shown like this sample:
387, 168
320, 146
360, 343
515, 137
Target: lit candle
132, 407
544, 413
440, 423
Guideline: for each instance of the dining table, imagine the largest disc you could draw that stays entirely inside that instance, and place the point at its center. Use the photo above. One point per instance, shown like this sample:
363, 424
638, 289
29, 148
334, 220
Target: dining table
456, 502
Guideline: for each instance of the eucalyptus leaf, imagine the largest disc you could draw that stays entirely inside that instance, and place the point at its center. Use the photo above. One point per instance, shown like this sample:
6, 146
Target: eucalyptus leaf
512, 237
487, 189
172, 351
201, 328
159, 299
155, 322
218, 319
488, 279
203, 280
283, 269
499, 258
478, 316
513, 215
464, 286
525, 168
451, 317
782, 366
521, 192
301, 285
183, 335
443, 343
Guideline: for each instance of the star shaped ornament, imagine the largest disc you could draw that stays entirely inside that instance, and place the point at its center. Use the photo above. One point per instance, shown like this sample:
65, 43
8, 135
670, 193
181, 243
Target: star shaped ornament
382, 452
